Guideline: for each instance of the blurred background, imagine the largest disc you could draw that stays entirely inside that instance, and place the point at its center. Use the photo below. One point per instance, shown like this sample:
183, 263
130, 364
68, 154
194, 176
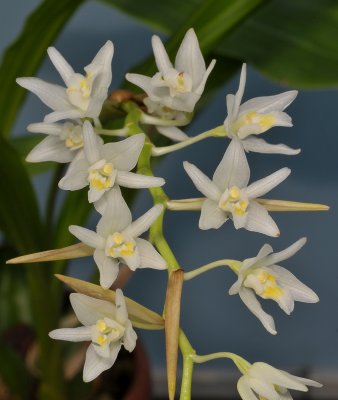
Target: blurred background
307, 341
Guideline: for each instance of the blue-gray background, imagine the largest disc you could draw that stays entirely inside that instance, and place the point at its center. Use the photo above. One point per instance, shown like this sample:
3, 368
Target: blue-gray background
213, 320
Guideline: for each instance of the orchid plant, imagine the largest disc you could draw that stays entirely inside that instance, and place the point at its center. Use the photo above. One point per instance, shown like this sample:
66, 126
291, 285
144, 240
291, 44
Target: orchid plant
104, 160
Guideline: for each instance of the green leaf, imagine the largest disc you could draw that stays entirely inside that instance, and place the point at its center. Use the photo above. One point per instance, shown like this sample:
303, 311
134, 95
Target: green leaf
295, 42
24, 56
19, 214
162, 15
13, 288
13, 372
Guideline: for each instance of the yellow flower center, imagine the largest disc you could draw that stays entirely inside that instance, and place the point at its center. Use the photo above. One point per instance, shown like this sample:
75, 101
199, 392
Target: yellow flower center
102, 175
105, 334
73, 137
80, 89
264, 284
263, 121
232, 201
119, 246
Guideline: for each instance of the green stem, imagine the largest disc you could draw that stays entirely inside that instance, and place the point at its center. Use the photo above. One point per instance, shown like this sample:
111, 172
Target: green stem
216, 132
242, 364
156, 235
188, 366
151, 120
234, 265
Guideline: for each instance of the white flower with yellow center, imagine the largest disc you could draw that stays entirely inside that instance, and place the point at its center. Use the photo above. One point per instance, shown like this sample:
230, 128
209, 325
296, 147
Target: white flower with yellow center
260, 276
264, 382
62, 143
177, 87
106, 326
83, 95
229, 196
117, 239
105, 165
256, 116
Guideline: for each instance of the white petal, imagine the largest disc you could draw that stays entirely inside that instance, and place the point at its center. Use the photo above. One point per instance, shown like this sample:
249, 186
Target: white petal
88, 310
286, 396
91, 146
50, 149
173, 133
264, 251
308, 382
95, 365
264, 389
260, 221
233, 170
235, 288
244, 389
286, 301
240, 91
117, 215
124, 154
212, 217
189, 58
95, 194
101, 84
249, 299
71, 113
121, 308
284, 254
138, 181
239, 220
104, 54
129, 338
263, 186
202, 182
144, 82
199, 90
87, 236
267, 104
54, 96
143, 223
150, 258
80, 334
161, 57
276, 376
299, 291
257, 145
48, 129
108, 268
133, 261
230, 102
76, 177
64, 69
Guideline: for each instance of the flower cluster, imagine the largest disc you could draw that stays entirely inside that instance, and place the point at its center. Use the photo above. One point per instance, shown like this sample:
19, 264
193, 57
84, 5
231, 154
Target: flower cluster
104, 167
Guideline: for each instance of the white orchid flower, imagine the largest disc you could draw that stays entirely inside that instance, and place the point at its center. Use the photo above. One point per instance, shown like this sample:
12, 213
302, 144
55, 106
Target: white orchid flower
83, 96
106, 165
176, 87
262, 277
229, 196
262, 381
117, 239
256, 116
106, 326
62, 144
